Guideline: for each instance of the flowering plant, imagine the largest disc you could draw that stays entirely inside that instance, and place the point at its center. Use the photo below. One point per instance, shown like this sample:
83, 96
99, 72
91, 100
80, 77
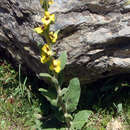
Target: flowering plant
64, 101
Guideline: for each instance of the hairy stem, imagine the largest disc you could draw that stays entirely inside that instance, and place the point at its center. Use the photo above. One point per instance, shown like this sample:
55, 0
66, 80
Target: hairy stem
63, 106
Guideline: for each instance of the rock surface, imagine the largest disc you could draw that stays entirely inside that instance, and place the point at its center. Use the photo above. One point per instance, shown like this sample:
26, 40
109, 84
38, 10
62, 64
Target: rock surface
95, 34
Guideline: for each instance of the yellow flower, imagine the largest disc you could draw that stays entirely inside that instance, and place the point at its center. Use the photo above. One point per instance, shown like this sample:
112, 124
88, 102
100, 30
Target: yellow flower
55, 66
46, 53
44, 58
47, 50
50, 2
53, 36
48, 18
47, 13
40, 29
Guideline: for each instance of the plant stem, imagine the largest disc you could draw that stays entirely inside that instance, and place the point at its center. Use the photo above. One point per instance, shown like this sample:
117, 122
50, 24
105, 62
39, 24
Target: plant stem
46, 5
62, 105
63, 108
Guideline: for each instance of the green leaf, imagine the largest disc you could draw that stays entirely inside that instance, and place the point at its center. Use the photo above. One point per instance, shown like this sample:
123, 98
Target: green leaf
50, 95
59, 115
61, 78
72, 96
80, 119
51, 92
57, 31
46, 75
63, 59
63, 91
119, 107
39, 44
43, 90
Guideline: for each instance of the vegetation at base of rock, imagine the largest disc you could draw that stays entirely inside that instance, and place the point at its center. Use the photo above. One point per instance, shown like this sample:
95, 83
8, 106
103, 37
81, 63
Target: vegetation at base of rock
98, 97
64, 101
19, 108
66, 105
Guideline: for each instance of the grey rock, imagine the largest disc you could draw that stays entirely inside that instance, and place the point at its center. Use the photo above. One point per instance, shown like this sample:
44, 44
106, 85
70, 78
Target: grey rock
95, 34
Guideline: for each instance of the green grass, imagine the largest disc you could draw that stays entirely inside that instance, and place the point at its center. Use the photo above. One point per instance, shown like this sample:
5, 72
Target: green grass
19, 108
22, 107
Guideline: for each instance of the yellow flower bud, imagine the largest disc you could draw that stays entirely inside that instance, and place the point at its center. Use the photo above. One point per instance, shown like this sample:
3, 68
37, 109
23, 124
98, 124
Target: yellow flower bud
53, 36
55, 66
40, 29
44, 58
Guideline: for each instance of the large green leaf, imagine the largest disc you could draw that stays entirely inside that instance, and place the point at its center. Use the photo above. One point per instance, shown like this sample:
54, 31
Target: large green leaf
80, 119
71, 97
63, 59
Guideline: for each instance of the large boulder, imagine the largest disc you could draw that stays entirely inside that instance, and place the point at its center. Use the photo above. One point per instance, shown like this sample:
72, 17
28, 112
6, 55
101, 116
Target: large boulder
95, 34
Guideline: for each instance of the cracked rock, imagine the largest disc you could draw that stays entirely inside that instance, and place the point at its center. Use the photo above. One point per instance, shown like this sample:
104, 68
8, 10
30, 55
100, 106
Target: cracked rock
94, 33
